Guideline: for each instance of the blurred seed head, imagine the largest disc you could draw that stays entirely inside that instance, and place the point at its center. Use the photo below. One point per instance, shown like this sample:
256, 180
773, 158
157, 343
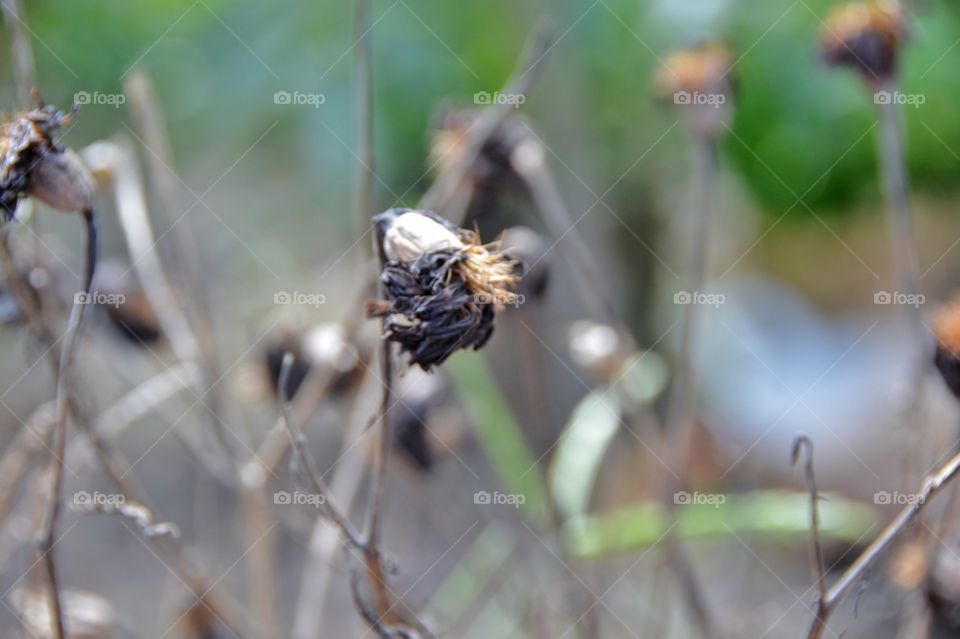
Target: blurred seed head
492, 169
317, 345
33, 163
946, 328
442, 286
599, 349
865, 36
698, 81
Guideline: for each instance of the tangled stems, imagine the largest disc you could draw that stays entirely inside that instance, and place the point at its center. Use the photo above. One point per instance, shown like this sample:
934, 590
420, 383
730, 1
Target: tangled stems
67, 355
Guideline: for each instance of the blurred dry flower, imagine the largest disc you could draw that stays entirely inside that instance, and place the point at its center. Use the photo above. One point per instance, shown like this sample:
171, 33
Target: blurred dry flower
492, 170
698, 81
865, 35
322, 345
442, 286
33, 163
946, 328
599, 349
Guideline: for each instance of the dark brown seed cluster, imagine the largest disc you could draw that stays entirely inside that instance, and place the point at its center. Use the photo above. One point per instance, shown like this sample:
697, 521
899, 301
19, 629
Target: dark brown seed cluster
432, 312
864, 36
26, 140
444, 298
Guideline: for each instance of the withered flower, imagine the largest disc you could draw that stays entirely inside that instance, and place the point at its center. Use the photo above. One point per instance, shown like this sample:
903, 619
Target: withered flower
442, 286
865, 35
946, 328
33, 163
698, 80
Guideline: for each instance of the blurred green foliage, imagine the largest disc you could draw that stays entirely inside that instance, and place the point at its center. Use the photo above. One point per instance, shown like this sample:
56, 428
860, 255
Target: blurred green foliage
217, 64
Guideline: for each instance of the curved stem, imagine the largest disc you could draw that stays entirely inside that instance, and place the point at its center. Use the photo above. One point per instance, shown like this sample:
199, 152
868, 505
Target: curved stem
67, 355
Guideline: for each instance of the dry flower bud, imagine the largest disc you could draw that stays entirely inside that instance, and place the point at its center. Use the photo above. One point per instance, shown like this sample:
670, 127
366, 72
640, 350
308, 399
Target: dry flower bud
442, 286
33, 163
865, 35
697, 80
703, 69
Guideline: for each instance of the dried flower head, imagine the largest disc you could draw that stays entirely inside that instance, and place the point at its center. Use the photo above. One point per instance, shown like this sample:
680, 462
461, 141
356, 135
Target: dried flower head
442, 286
698, 80
865, 35
704, 68
33, 163
946, 328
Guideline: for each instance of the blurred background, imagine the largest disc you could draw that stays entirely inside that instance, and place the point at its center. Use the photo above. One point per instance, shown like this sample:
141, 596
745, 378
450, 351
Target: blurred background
562, 408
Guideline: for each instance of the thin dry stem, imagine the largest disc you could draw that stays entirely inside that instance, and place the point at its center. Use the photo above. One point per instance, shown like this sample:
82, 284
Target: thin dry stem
816, 550
932, 485
67, 356
363, 103
23, 65
306, 462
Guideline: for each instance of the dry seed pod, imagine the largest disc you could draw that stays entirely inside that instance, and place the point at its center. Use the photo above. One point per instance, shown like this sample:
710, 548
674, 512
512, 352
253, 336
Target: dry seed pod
33, 163
698, 81
865, 35
946, 328
442, 286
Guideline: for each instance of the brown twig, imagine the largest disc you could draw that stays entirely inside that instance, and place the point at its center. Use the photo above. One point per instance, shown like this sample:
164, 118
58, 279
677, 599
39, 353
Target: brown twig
306, 462
932, 485
372, 531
